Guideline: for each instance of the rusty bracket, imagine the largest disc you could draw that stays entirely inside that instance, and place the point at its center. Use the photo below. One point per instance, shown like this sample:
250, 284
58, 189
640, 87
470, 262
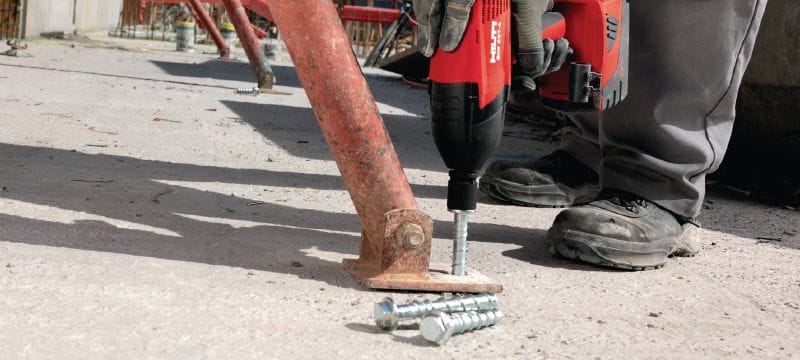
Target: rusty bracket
401, 260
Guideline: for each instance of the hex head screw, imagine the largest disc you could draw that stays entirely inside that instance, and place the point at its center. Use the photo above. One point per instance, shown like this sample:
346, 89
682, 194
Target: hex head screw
385, 314
248, 91
388, 314
438, 327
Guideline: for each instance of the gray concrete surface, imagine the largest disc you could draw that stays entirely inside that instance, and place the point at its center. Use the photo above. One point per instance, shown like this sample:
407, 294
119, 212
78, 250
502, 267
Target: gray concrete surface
146, 211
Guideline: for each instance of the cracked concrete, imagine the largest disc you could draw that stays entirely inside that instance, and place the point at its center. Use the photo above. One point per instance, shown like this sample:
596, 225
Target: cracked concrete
146, 211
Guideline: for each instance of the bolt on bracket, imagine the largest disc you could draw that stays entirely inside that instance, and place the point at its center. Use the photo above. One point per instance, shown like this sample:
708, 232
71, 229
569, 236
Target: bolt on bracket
402, 261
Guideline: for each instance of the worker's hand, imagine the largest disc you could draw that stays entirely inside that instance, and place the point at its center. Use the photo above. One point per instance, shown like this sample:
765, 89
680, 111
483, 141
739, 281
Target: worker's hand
441, 22
536, 56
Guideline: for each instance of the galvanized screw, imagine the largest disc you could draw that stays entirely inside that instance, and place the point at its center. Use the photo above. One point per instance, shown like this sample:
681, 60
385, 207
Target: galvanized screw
460, 223
438, 327
388, 314
409, 235
248, 91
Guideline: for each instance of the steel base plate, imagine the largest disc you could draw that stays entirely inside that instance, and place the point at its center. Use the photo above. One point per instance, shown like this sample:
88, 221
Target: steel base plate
437, 279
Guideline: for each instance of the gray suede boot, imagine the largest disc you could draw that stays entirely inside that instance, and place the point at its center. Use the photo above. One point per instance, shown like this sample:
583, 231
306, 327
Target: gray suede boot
555, 180
622, 230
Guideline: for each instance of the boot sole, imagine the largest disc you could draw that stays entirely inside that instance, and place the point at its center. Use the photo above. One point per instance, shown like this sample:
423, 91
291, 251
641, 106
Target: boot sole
541, 196
607, 252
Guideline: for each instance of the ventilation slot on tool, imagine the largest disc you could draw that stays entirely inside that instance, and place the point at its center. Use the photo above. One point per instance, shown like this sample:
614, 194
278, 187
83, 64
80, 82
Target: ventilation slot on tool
492, 9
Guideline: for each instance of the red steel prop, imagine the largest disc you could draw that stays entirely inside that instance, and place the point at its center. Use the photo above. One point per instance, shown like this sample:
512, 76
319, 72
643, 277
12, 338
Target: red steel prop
250, 43
396, 236
210, 28
259, 7
257, 30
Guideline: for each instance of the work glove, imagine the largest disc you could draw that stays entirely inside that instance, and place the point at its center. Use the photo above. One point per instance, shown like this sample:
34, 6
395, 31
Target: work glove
535, 56
441, 22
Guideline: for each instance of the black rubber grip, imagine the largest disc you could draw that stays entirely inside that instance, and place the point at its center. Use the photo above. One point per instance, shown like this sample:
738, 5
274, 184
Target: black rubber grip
465, 135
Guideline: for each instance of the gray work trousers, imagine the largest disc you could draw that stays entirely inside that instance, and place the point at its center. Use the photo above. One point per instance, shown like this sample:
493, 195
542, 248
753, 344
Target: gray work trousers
687, 58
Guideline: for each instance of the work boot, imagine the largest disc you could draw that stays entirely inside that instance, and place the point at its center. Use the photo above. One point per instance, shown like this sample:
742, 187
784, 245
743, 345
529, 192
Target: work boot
555, 180
622, 230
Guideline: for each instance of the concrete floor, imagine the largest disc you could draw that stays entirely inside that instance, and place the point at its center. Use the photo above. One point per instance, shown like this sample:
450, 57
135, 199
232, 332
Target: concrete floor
146, 211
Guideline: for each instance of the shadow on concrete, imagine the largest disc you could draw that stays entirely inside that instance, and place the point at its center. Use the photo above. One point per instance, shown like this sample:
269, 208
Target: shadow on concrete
182, 223
416, 340
535, 250
117, 76
364, 328
748, 216
231, 70
227, 70
385, 88
290, 128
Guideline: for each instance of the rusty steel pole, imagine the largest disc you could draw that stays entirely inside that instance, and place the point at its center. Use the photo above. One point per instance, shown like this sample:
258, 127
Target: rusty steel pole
250, 43
345, 108
346, 111
396, 236
211, 28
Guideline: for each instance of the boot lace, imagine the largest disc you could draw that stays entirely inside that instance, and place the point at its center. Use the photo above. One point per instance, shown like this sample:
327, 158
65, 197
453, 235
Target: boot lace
630, 202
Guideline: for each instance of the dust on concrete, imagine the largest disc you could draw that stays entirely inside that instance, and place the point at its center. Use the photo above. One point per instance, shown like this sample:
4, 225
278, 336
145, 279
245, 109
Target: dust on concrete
123, 268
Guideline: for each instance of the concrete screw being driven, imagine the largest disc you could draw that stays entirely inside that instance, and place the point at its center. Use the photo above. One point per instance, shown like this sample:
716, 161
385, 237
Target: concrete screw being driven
438, 327
388, 314
248, 91
460, 224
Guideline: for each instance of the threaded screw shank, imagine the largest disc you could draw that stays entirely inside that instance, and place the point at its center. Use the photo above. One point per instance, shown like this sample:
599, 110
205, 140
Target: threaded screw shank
473, 320
456, 304
438, 327
460, 225
388, 313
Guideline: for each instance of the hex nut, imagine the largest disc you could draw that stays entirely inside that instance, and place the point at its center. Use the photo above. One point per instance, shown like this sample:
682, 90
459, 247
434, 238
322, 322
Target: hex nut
409, 235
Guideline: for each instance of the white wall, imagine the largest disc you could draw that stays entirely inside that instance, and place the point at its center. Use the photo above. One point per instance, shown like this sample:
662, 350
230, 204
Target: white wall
94, 15
44, 16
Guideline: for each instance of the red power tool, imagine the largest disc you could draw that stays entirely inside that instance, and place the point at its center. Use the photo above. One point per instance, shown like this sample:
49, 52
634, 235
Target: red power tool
469, 86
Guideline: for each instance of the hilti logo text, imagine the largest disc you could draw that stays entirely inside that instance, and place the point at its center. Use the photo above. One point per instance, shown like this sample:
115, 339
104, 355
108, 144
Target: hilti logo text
495, 48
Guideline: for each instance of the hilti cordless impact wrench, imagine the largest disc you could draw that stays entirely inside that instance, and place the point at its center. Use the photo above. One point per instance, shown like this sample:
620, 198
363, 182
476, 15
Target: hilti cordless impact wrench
469, 86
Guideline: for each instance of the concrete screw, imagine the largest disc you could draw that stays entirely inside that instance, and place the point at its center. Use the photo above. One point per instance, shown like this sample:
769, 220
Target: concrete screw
409, 235
248, 91
388, 314
438, 327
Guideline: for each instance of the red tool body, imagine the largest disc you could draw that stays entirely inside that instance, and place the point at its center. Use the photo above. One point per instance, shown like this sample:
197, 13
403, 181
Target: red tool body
597, 76
469, 86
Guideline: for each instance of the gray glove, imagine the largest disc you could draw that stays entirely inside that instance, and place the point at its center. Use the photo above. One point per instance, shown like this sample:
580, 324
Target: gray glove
433, 31
536, 57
